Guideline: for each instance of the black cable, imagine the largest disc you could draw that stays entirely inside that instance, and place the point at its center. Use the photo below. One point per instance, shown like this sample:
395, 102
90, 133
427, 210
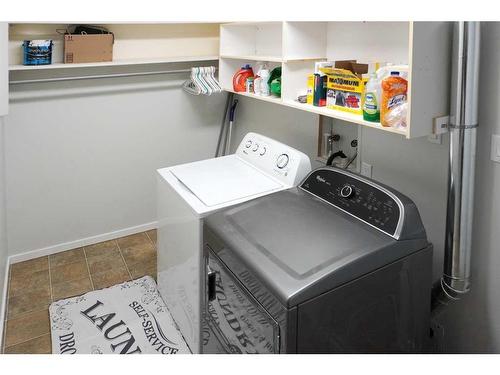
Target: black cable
334, 155
354, 143
350, 161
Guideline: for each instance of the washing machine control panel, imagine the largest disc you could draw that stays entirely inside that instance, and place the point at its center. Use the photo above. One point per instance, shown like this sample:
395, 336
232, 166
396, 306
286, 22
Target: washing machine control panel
283, 162
363, 199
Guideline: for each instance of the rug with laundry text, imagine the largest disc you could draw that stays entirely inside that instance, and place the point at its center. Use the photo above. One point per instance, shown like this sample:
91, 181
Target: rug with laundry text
128, 318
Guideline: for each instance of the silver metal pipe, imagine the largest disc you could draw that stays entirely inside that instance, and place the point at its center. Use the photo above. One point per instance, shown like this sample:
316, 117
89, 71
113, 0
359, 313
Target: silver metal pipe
463, 127
99, 76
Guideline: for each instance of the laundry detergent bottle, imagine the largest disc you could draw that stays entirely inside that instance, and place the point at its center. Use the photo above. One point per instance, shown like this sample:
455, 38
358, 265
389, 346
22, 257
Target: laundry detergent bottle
394, 92
240, 78
371, 102
264, 85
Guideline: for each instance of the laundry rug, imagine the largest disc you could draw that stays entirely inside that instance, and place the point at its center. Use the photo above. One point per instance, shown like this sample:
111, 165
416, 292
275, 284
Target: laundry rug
126, 318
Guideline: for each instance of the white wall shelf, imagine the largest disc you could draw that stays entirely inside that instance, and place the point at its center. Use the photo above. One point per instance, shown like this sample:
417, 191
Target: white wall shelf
253, 58
344, 116
295, 46
271, 99
134, 44
228, 67
20, 67
136, 48
302, 59
271, 58
339, 115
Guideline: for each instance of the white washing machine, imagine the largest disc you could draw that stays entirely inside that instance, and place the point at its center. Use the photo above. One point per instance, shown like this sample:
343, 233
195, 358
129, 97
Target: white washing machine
189, 192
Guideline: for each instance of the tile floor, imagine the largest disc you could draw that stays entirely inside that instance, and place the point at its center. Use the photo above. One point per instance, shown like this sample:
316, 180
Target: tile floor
36, 283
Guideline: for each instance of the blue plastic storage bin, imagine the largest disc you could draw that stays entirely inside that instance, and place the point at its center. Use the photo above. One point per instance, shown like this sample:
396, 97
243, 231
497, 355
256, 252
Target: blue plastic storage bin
37, 52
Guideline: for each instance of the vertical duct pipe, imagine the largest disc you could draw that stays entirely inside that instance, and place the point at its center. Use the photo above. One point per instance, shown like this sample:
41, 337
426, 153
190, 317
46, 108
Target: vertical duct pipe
463, 123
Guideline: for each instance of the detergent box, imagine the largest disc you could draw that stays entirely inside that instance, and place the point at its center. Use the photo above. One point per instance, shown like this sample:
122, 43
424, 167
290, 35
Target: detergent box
345, 86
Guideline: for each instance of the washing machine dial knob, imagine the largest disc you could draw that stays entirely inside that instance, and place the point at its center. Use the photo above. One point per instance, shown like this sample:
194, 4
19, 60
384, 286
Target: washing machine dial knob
347, 191
282, 161
248, 144
255, 147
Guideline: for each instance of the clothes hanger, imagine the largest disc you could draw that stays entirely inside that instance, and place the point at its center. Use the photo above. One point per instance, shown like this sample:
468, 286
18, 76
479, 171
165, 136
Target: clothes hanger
209, 74
190, 87
207, 78
198, 74
202, 81
215, 79
197, 83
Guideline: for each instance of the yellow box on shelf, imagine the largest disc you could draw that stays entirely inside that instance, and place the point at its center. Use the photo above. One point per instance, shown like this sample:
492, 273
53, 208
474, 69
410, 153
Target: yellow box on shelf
345, 86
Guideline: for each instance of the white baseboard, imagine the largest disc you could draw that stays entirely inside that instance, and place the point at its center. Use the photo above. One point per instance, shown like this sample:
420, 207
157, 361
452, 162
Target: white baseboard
81, 242
3, 305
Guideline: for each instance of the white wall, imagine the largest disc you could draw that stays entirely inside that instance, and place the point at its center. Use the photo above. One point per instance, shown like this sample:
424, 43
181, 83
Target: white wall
3, 236
4, 72
81, 156
4, 100
418, 168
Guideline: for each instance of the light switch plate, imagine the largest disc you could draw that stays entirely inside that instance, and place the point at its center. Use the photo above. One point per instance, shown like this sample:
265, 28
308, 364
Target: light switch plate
366, 169
495, 148
440, 125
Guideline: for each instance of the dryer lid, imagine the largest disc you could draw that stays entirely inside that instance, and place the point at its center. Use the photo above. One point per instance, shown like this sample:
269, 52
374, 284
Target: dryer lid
226, 179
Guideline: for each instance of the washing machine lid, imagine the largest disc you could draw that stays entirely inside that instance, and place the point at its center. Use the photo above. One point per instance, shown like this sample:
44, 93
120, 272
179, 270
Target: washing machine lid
223, 180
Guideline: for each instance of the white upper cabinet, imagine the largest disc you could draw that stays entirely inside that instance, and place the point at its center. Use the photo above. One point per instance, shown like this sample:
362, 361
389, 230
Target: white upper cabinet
262, 41
296, 46
4, 68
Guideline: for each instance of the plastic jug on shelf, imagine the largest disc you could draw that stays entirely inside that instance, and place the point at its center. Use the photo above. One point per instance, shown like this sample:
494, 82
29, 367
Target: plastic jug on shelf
264, 85
274, 81
371, 99
394, 95
240, 78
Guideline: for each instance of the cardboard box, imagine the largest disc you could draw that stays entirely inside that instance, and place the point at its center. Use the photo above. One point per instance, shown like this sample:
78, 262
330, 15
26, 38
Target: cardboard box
345, 86
88, 48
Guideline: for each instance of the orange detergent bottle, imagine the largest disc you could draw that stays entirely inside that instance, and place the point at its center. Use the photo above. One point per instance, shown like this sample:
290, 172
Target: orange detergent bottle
240, 78
394, 91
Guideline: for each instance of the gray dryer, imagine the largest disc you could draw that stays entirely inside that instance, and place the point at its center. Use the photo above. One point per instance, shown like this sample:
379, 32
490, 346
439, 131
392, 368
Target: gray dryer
340, 264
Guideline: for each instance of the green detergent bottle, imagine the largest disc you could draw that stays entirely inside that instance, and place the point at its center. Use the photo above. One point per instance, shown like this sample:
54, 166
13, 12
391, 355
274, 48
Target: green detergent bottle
371, 103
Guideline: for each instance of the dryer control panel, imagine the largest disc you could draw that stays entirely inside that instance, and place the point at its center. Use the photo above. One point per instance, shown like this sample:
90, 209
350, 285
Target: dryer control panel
283, 162
361, 198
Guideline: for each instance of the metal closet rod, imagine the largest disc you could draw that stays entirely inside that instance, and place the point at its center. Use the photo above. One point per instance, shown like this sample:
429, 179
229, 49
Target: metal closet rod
116, 75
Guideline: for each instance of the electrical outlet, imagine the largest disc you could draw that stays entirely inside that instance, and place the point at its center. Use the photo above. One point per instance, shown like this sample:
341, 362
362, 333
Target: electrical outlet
495, 148
366, 169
